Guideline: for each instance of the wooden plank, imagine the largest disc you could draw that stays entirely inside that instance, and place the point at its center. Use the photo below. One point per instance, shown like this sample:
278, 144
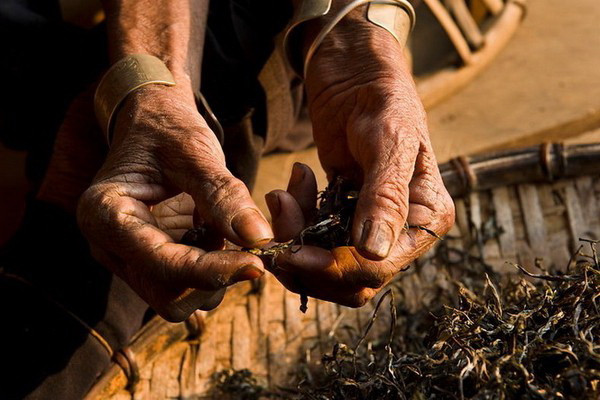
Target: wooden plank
560, 244
241, 345
462, 221
589, 206
187, 376
557, 233
504, 220
224, 329
465, 21
293, 317
533, 219
206, 361
276, 336
262, 349
142, 389
258, 339
452, 30
577, 224
165, 373
476, 222
122, 395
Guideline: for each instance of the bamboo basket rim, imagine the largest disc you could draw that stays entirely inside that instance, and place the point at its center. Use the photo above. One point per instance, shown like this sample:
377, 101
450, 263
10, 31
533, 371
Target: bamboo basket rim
475, 56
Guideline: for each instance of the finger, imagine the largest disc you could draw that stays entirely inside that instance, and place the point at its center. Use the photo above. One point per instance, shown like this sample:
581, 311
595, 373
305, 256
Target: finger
222, 200
427, 226
382, 206
342, 267
303, 187
287, 217
213, 301
189, 301
184, 266
137, 241
225, 204
309, 260
347, 296
197, 219
431, 205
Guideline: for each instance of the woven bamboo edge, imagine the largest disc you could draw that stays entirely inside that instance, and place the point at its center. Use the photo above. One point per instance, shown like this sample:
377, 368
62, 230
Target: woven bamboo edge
539, 164
437, 87
154, 337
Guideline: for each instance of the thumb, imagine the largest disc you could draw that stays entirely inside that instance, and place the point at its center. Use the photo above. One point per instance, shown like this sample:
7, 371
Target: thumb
382, 208
224, 202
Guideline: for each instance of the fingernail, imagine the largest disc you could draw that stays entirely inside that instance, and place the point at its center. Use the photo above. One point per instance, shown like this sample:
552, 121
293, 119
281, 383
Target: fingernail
273, 203
251, 227
376, 239
246, 273
298, 173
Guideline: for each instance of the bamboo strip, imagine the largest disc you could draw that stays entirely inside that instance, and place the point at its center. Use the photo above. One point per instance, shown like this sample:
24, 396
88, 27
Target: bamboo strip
452, 30
466, 23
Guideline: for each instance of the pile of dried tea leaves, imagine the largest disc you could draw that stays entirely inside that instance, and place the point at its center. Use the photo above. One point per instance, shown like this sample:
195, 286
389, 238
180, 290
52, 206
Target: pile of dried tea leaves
534, 338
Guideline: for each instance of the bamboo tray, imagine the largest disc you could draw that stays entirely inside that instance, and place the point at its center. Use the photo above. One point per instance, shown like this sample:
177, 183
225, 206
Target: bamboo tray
538, 200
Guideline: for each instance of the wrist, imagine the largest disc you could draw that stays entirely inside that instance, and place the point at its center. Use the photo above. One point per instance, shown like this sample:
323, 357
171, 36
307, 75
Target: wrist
127, 77
354, 52
315, 22
148, 106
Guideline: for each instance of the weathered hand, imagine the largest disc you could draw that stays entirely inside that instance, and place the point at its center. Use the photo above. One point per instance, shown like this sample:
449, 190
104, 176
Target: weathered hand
369, 126
163, 147
341, 275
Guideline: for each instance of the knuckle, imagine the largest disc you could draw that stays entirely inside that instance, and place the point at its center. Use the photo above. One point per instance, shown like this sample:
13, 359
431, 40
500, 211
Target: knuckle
447, 213
173, 312
360, 298
374, 279
221, 192
91, 206
180, 308
390, 195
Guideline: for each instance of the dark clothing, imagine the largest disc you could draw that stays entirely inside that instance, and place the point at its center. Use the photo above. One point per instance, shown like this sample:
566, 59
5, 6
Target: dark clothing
47, 275
46, 62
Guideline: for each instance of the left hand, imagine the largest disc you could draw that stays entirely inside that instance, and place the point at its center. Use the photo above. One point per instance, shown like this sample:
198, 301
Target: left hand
369, 126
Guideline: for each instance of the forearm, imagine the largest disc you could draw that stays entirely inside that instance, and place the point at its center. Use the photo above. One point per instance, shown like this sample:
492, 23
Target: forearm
172, 30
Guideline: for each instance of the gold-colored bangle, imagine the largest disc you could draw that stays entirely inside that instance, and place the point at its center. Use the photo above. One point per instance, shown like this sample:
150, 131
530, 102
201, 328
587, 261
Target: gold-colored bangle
306, 10
396, 16
124, 77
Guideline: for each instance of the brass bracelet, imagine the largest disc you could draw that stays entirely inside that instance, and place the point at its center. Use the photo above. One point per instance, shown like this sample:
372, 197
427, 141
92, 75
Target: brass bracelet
396, 16
124, 77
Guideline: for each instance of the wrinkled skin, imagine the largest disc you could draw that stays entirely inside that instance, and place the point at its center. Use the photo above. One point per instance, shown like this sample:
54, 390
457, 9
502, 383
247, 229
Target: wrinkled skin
369, 126
163, 148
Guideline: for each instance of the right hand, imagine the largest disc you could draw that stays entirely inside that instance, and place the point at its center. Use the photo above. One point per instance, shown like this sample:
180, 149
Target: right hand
161, 148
